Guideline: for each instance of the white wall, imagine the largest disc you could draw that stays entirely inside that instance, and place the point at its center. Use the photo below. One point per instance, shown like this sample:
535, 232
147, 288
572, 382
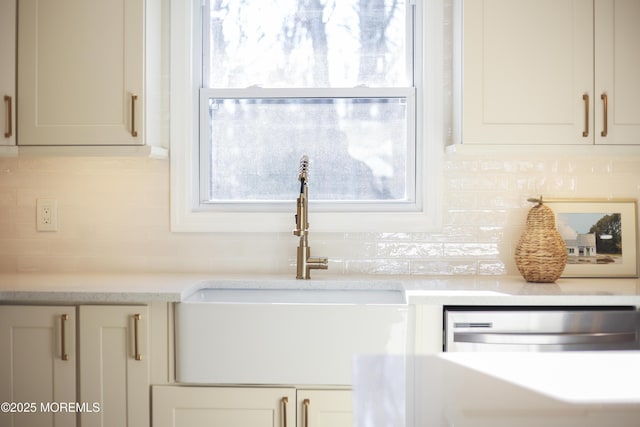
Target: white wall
114, 217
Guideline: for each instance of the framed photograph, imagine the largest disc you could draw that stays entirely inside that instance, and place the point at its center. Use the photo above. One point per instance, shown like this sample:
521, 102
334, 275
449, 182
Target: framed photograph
600, 235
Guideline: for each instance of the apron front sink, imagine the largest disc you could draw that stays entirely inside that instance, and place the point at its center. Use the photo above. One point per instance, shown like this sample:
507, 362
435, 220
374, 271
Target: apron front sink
285, 336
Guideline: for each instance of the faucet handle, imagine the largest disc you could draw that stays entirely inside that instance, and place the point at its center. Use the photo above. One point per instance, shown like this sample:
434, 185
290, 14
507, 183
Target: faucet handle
318, 263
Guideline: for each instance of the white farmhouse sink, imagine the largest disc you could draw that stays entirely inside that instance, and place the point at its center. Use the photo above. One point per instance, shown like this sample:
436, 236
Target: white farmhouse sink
299, 296
285, 336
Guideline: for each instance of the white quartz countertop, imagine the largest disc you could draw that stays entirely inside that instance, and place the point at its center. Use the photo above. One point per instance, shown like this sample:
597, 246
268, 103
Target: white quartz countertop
96, 288
460, 290
575, 377
524, 389
559, 389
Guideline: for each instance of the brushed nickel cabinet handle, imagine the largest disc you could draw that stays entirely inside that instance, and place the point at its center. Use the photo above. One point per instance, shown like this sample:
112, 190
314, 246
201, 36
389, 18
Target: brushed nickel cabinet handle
9, 131
585, 98
284, 402
63, 338
605, 103
136, 321
305, 407
134, 132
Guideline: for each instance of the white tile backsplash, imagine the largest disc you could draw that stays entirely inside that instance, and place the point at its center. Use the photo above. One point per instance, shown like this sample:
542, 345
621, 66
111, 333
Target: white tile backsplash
114, 217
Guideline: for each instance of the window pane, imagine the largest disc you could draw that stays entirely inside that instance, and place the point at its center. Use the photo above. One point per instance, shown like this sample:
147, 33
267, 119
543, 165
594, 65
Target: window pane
357, 148
306, 43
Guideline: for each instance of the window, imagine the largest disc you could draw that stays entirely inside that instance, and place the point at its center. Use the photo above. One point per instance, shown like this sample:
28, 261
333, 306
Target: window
325, 78
357, 146
337, 80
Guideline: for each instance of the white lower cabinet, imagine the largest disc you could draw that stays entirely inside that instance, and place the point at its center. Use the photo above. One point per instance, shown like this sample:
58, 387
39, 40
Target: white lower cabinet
183, 406
37, 365
114, 365
49, 376
175, 406
324, 408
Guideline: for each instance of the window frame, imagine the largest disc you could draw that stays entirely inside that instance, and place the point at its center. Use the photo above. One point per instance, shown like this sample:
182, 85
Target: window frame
413, 201
187, 215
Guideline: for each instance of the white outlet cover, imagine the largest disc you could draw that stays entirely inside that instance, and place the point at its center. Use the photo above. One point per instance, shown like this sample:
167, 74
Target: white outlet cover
46, 215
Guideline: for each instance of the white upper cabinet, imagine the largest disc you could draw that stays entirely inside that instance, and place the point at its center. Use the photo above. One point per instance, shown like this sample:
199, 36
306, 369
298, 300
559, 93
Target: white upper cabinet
617, 26
527, 65
81, 68
8, 71
534, 71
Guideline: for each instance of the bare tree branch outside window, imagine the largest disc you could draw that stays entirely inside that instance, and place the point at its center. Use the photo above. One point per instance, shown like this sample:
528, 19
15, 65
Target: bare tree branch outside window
357, 145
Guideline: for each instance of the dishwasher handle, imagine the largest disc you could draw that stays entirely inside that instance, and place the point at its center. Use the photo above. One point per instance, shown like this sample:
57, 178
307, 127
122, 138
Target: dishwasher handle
542, 338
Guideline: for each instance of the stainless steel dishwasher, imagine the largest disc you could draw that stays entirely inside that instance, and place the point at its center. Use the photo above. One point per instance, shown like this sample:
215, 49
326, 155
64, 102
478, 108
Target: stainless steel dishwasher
541, 328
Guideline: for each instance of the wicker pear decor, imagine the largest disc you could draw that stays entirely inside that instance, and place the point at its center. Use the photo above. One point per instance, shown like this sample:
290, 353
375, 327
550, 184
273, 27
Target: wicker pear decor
541, 253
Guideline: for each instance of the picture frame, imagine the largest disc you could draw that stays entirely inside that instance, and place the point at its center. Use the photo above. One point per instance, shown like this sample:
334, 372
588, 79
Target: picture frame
600, 234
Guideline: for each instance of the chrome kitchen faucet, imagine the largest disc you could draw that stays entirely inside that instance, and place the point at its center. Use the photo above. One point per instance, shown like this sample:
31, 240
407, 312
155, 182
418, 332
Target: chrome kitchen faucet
305, 262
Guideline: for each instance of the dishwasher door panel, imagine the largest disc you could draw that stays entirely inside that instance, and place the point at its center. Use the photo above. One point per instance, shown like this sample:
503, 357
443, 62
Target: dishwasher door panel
539, 330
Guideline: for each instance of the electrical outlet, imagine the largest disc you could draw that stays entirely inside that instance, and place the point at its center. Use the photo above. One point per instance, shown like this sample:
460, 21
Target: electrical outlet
46, 215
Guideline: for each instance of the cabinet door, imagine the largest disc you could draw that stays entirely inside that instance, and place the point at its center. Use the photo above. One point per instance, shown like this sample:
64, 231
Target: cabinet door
7, 71
526, 66
81, 65
325, 408
222, 407
114, 365
617, 70
37, 365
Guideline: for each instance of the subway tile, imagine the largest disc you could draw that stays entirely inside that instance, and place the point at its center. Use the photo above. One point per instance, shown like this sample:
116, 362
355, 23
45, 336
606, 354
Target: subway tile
462, 200
458, 166
29, 264
113, 262
8, 198
497, 201
371, 236
409, 250
627, 167
492, 268
8, 164
344, 249
114, 216
20, 247
486, 217
378, 266
443, 267
8, 230
9, 263
471, 250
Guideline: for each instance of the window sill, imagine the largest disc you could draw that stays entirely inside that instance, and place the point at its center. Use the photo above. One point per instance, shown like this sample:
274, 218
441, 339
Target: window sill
321, 222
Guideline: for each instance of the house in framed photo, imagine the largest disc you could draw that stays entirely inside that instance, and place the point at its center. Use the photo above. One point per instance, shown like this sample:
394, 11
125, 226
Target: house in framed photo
584, 245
